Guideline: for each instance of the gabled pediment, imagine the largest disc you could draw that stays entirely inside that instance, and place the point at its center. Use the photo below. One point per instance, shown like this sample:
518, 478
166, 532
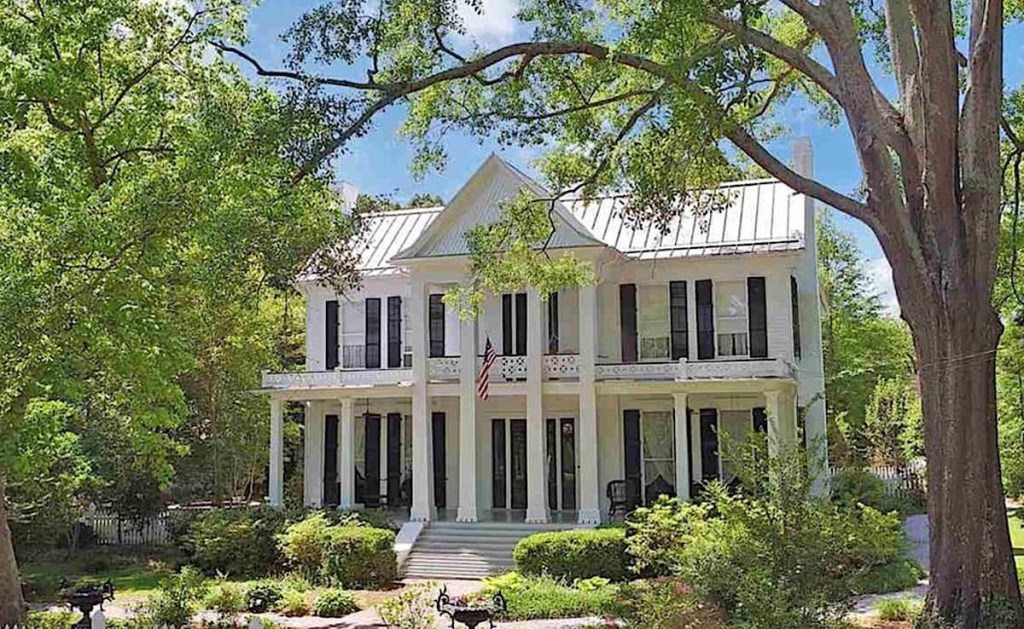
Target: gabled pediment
479, 202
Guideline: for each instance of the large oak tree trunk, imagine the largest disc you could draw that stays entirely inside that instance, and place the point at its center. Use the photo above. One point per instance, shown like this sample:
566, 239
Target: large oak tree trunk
973, 574
12, 605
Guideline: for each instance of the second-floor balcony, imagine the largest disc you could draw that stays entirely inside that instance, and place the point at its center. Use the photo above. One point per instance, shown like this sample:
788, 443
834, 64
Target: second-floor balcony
557, 367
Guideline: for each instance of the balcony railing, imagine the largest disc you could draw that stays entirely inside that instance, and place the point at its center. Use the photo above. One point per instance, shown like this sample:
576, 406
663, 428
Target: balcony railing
555, 367
740, 369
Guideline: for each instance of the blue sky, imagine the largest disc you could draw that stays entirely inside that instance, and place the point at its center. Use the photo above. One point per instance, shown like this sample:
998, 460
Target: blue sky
378, 163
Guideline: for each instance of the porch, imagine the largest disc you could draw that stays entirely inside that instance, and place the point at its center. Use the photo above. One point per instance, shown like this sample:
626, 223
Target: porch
503, 467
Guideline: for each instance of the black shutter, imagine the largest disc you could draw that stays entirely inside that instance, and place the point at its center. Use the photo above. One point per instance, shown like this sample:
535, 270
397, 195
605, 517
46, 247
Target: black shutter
760, 419
705, 320
440, 460
627, 321
553, 323
372, 333
394, 332
689, 450
332, 486
550, 443
371, 458
794, 297
435, 313
331, 335
678, 317
394, 459
506, 326
521, 324
631, 438
498, 466
758, 320
709, 444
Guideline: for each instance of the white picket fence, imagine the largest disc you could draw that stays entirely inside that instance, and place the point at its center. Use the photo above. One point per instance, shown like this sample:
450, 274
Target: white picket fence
907, 481
112, 529
99, 621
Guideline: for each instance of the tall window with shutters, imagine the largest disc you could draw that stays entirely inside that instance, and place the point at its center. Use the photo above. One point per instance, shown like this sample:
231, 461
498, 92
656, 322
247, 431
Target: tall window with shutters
654, 322
353, 335
731, 319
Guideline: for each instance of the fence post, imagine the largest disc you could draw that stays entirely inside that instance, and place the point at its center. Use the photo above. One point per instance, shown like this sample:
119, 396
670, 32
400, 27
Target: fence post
255, 623
99, 620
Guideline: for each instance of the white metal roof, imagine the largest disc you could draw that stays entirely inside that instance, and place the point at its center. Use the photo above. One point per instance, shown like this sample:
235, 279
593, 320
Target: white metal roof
388, 233
763, 216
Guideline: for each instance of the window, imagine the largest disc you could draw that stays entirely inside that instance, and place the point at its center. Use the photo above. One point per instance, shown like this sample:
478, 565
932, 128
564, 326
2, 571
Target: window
353, 335
731, 318
654, 322
658, 439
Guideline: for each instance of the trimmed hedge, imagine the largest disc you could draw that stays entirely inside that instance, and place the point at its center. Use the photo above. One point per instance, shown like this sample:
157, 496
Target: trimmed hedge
572, 555
360, 557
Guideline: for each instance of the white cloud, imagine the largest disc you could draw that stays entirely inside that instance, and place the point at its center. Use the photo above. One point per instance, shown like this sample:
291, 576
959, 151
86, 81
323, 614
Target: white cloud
497, 23
881, 280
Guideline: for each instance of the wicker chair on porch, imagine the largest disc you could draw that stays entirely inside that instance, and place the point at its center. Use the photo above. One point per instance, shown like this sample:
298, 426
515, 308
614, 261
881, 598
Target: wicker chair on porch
618, 496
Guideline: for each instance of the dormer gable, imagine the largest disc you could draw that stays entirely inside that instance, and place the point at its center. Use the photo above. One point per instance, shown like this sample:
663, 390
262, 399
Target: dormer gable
479, 202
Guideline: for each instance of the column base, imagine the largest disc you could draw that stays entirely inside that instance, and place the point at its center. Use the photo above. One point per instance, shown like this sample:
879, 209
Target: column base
537, 517
345, 507
589, 516
466, 514
422, 515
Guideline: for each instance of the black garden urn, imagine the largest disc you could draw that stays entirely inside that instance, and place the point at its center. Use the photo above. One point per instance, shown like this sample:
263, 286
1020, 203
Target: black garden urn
84, 598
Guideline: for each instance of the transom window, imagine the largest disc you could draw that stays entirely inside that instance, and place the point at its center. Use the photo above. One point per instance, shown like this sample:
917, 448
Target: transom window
731, 319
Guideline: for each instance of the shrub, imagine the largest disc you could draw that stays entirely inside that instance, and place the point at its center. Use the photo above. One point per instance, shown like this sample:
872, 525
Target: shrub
854, 486
779, 557
51, 620
667, 604
898, 609
360, 557
262, 596
227, 600
303, 544
292, 603
654, 535
532, 597
573, 555
238, 542
334, 604
177, 600
410, 609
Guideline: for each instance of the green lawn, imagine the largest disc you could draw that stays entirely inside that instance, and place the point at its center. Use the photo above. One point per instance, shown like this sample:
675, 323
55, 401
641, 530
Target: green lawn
136, 573
1017, 541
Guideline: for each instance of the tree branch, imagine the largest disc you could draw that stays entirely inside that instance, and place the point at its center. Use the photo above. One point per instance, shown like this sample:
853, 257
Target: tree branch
297, 76
763, 158
797, 59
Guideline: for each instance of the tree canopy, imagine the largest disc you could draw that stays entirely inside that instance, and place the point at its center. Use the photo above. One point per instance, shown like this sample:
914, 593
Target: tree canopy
657, 98
146, 197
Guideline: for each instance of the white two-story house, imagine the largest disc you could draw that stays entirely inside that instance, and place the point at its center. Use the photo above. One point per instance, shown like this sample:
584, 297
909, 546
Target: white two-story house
710, 328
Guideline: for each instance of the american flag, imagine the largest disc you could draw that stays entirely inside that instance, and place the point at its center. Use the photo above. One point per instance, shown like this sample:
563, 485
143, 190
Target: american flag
490, 357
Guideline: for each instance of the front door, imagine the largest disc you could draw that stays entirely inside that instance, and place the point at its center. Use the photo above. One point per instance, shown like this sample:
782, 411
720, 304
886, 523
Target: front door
508, 463
560, 448
332, 488
440, 460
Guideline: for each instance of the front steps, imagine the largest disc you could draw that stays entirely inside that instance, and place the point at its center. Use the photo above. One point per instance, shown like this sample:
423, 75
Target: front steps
455, 550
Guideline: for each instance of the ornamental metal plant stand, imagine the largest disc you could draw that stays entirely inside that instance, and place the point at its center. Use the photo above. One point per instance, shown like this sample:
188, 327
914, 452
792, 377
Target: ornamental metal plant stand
460, 610
84, 598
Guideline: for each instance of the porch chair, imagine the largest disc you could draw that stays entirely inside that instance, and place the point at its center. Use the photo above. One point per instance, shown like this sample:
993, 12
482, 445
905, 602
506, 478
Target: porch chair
618, 496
